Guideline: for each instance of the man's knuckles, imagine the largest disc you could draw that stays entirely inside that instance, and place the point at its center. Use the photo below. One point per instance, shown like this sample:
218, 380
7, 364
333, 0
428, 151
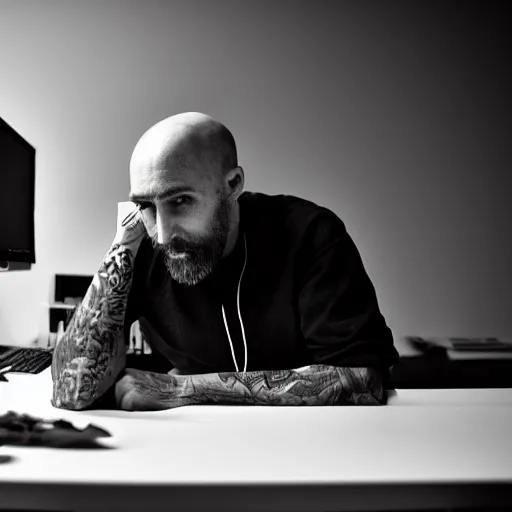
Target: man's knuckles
125, 391
129, 401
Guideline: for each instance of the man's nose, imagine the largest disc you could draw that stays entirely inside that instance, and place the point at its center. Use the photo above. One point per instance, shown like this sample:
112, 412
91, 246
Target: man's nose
165, 227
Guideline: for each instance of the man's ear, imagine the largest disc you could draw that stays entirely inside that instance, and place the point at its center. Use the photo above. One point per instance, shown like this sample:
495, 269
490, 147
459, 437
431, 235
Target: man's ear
235, 181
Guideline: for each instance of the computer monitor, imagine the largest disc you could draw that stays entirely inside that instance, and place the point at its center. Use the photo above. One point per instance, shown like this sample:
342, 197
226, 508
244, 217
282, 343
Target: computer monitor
17, 189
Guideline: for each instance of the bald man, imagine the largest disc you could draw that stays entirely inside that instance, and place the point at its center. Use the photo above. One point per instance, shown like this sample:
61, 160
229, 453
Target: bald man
244, 298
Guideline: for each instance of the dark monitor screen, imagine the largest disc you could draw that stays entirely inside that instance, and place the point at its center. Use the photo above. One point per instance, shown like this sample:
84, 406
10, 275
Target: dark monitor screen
17, 187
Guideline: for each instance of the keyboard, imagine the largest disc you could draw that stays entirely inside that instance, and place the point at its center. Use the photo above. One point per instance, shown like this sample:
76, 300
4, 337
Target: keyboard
26, 359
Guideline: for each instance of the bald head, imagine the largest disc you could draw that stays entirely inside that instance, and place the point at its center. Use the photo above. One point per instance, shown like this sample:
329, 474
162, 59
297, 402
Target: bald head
186, 144
185, 175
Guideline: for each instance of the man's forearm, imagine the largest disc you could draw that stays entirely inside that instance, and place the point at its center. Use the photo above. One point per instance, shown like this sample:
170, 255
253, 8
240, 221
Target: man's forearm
310, 385
91, 353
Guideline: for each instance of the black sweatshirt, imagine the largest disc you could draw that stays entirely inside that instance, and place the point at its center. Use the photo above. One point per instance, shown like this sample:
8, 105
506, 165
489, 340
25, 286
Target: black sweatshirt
305, 298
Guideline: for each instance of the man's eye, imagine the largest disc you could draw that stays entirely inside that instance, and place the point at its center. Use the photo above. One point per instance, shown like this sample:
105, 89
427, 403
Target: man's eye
182, 200
178, 202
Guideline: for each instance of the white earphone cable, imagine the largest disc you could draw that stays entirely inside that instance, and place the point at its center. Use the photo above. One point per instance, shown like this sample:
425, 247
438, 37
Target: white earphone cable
239, 316
229, 338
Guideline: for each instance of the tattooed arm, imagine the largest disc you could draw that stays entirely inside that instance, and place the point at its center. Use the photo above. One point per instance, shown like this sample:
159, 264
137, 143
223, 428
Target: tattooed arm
91, 353
309, 385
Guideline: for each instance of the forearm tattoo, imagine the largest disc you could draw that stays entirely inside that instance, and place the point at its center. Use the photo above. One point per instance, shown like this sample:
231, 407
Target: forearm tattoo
156, 391
91, 353
310, 385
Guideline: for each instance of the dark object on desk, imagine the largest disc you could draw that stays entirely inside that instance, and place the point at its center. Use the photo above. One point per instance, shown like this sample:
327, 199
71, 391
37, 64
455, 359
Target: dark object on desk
25, 359
25, 430
460, 344
436, 371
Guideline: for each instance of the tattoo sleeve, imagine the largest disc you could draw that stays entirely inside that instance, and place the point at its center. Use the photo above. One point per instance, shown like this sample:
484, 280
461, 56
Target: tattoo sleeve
310, 385
91, 353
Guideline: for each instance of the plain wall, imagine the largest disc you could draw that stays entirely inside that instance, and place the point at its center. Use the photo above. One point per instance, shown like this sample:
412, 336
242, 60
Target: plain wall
395, 115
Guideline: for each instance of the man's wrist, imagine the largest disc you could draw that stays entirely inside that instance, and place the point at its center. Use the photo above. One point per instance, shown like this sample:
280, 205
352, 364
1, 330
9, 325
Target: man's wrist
204, 389
131, 245
186, 386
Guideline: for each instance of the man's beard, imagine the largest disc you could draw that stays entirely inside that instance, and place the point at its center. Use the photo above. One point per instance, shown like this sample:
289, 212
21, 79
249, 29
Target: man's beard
201, 253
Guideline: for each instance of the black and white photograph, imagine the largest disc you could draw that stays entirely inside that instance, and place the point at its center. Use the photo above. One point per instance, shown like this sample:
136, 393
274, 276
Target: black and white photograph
255, 256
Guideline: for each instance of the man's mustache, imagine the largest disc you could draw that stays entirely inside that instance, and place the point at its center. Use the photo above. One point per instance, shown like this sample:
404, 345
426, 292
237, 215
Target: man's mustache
174, 246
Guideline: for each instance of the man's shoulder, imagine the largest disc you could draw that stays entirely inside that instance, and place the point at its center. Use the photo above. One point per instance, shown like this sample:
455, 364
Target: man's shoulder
303, 219
284, 206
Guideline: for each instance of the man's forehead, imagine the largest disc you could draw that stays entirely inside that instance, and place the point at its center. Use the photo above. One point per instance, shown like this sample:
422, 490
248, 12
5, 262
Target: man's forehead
153, 180
159, 183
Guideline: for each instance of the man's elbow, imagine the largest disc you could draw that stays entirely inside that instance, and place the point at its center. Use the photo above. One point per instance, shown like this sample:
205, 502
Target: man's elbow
69, 405
78, 384
362, 386
373, 385
68, 395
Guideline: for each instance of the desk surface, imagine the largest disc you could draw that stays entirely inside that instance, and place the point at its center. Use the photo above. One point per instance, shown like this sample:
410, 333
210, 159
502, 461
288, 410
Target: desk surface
435, 447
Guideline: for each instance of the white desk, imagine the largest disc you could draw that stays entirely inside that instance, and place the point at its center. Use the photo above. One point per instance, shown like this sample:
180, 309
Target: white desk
427, 448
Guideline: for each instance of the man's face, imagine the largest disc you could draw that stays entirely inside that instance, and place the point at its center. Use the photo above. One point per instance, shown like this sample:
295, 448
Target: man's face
190, 228
192, 256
